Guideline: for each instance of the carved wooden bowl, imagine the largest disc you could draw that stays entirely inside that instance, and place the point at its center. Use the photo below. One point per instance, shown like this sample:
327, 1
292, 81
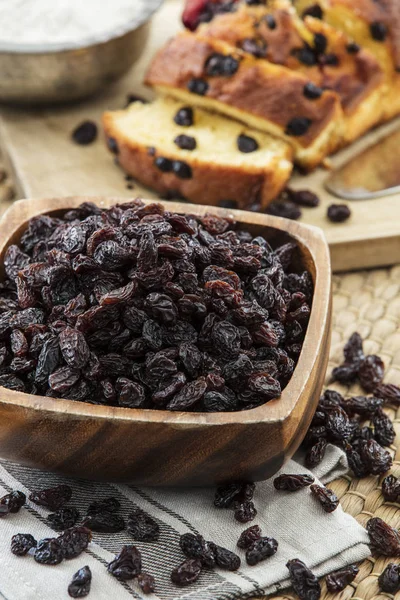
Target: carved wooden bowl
151, 447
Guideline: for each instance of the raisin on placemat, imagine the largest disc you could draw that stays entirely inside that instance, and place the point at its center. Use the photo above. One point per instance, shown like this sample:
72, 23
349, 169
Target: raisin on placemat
146, 583
80, 583
21, 543
74, 541
389, 579
384, 539
260, 549
187, 572
49, 551
64, 518
13, 501
249, 536
303, 580
337, 581
52, 498
391, 488
127, 564
142, 527
195, 546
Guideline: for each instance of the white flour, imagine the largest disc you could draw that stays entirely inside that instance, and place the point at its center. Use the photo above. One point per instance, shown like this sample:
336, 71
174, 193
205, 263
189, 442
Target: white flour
65, 21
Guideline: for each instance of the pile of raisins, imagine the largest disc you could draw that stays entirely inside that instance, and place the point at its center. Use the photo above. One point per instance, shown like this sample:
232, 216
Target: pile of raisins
135, 306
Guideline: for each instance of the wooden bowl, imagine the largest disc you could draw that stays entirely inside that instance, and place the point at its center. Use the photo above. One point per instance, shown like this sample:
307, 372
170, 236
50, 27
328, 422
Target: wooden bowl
150, 447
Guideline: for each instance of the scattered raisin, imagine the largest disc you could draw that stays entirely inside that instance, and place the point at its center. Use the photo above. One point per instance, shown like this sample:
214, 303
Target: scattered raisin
142, 527
225, 559
146, 583
85, 133
187, 572
261, 549
285, 209
303, 580
14, 501
249, 536
337, 581
303, 197
63, 518
384, 539
389, 579
74, 541
245, 512
292, 483
21, 543
52, 498
326, 497
80, 583
391, 488
49, 552
127, 564
337, 213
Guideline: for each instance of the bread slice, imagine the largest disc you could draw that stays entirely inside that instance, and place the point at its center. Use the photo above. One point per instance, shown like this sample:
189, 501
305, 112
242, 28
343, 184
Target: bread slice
215, 172
373, 25
262, 95
324, 55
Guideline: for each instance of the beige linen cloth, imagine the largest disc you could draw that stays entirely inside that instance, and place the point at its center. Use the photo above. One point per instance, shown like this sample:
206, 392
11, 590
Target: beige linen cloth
323, 541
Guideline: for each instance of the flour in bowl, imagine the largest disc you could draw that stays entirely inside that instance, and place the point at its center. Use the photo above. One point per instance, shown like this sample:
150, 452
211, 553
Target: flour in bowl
64, 21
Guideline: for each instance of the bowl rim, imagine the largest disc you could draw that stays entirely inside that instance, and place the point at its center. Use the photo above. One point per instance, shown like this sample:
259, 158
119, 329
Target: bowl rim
277, 410
147, 9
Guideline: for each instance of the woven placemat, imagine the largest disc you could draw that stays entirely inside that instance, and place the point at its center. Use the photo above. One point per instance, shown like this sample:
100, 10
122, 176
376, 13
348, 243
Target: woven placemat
367, 302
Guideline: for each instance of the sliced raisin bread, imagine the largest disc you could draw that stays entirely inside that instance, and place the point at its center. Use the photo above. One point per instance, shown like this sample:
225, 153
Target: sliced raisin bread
326, 56
184, 152
371, 24
212, 74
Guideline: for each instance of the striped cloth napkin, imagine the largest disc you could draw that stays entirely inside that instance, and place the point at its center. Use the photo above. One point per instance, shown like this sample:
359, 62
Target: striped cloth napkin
323, 541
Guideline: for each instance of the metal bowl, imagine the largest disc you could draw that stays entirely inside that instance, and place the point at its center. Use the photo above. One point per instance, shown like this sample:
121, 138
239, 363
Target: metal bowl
47, 73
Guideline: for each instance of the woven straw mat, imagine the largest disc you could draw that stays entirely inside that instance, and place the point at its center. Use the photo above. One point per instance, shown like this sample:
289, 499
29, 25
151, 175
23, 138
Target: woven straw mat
367, 302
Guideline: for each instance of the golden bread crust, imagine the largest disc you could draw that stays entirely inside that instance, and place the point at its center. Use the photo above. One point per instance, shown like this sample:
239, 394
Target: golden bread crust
272, 94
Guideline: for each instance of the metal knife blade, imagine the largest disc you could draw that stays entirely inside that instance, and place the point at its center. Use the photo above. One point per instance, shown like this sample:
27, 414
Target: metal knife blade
373, 173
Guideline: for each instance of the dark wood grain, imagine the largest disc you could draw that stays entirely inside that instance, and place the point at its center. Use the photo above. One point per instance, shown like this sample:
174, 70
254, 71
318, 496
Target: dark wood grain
151, 447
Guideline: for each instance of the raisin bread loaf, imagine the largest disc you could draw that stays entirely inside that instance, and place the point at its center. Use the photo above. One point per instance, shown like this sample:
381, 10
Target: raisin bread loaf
212, 74
184, 152
326, 56
371, 24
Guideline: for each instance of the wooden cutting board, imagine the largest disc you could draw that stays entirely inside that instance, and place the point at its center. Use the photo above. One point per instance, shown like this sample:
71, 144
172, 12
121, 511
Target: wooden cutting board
45, 162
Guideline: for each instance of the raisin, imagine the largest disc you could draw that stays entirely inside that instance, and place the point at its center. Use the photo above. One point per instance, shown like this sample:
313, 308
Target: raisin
184, 117
303, 197
146, 583
187, 572
303, 580
328, 499
52, 498
312, 91
225, 559
337, 424
110, 504
49, 552
292, 483
65, 518
353, 48
182, 169
21, 543
362, 405
298, 126
314, 11
246, 144
74, 541
85, 133
389, 393
337, 213
189, 395
262, 548
257, 48
391, 488
285, 209
384, 539
163, 164
142, 526
378, 31
14, 501
389, 579
377, 459
220, 65
337, 581
195, 546
198, 86
245, 512
384, 432
104, 522
226, 495
185, 142
249, 536
371, 372
315, 454
127, 564
80, 583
